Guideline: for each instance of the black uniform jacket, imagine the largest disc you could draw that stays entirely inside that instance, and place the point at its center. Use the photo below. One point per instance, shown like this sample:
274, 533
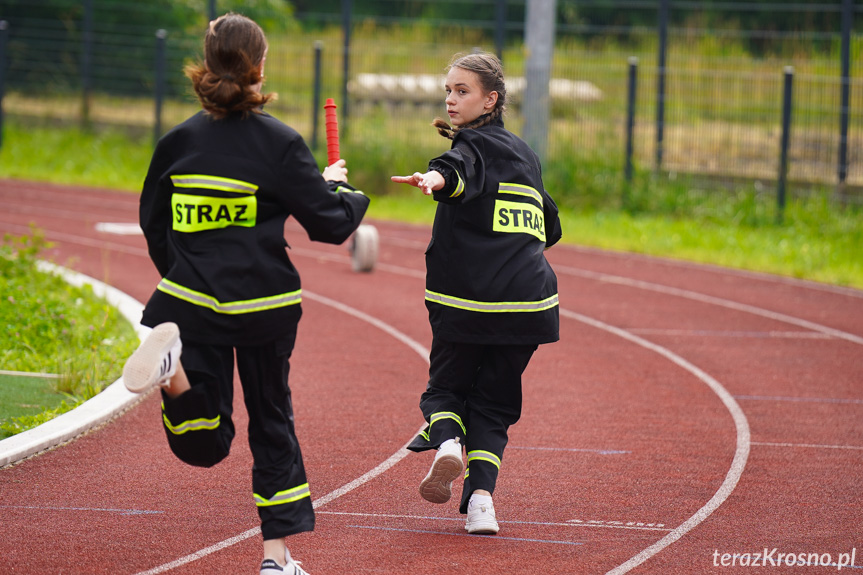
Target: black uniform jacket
487, 277
213, 211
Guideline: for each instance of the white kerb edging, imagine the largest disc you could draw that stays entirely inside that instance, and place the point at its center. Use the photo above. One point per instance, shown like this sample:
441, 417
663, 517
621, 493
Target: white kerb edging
93, 412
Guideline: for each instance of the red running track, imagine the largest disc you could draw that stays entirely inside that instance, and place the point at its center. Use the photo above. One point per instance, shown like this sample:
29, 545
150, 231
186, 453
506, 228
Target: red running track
691, 417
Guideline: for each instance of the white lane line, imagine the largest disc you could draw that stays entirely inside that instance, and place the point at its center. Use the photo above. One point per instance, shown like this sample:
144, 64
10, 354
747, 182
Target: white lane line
82, 241
346, 260
741, 451
808, 445
703, 298
451, 534
730, 333
344, 489
120, 228
88, 509
598, 523
722, 270
572, 449
798, 399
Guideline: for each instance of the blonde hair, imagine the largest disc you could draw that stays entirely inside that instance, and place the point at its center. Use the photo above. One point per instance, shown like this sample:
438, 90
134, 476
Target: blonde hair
234, 48
489, 70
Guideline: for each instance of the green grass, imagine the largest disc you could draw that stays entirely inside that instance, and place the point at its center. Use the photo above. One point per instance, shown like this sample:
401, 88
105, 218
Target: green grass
23, 396
49, 326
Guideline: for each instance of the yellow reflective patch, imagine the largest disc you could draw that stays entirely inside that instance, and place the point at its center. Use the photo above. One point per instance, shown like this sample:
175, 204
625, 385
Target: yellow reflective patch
480, 455
204, 182
199, 213
231, 307
518, 218
287, 496
519, 190
191, 425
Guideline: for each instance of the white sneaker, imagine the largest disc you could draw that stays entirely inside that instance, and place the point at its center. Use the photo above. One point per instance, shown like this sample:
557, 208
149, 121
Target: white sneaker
481, 519
447, 466
155, 361
270, 567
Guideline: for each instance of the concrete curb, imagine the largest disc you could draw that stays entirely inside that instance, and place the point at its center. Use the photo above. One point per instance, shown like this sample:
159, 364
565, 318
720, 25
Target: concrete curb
95, 411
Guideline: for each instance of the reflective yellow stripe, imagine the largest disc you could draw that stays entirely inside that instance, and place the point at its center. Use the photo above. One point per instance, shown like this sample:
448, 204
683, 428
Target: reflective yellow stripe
520, 190
480, 455
233, 307
492, 307
287, 496
518, 218
199, 213
204, 182
459, 188
191, 425
344, 190
446, 415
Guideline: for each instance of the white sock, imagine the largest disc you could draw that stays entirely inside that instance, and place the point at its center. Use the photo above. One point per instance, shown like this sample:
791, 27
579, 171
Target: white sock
476, 499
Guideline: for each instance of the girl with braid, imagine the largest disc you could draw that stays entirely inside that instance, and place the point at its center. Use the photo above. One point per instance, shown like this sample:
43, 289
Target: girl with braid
490, 293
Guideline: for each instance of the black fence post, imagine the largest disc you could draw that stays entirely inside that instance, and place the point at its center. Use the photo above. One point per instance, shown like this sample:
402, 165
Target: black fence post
786, 138
499, 27
161, 35
4, 35
211, 10
347, 7
630, 116
316, 94
86, 63
664, 8
847, 20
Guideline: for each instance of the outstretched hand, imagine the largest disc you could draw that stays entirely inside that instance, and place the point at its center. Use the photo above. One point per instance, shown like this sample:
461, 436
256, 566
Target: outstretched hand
336, 172
428, 182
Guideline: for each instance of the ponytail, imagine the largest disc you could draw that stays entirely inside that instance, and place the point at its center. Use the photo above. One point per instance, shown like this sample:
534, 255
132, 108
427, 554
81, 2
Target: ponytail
234, 50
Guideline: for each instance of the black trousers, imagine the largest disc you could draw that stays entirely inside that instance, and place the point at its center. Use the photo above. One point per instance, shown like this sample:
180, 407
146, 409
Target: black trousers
474, 393
200, 430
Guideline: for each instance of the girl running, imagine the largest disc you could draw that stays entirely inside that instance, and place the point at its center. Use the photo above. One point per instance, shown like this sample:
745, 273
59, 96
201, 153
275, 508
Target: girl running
213, 208
490, 293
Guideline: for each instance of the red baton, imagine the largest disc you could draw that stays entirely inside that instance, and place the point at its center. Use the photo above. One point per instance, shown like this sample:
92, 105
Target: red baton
332, 126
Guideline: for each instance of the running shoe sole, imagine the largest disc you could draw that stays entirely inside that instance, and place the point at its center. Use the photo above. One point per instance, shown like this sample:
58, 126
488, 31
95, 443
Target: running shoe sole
482, 527
437, 485
142, 368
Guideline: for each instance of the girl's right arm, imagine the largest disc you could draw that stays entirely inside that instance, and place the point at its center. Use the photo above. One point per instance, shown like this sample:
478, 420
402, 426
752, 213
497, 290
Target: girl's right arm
429, 182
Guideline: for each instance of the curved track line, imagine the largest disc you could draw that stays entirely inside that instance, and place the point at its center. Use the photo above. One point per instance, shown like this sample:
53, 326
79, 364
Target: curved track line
344, 489
741, 452
740, 272
703, 298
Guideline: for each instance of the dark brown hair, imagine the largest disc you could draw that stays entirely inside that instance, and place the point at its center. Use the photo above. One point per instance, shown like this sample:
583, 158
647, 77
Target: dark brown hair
489, 70
234, 48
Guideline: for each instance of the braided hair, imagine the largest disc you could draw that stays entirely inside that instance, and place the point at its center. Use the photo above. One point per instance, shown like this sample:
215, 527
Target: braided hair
489, 70
234, 48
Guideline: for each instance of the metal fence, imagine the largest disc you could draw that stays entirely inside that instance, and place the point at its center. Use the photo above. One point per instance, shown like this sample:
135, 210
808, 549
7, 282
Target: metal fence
702, 102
